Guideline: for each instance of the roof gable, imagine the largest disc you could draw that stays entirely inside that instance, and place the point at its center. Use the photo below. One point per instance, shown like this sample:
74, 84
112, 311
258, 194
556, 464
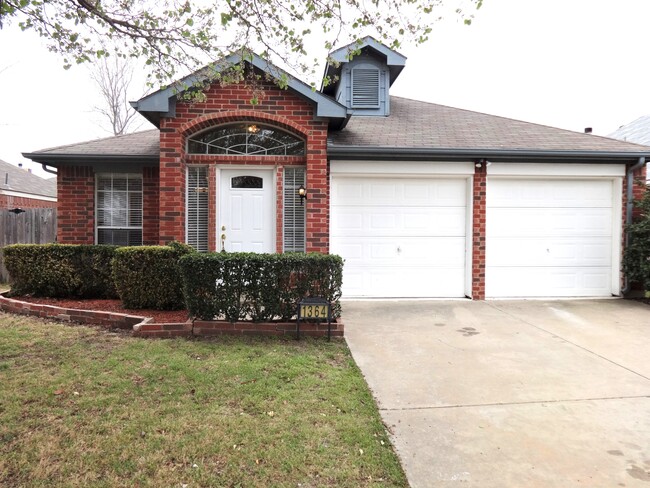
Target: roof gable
393, 60
163, 102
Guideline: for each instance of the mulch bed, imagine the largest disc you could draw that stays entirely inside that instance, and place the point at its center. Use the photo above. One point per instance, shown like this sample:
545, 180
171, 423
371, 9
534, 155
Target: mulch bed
159, 316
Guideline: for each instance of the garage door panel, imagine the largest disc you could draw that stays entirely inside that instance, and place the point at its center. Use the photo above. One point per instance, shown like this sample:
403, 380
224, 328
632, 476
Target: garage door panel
371, 221
535, 222
549, 193
391, 252
399, 192
404, 282
549, 237
400, 237
537, 281
564, 252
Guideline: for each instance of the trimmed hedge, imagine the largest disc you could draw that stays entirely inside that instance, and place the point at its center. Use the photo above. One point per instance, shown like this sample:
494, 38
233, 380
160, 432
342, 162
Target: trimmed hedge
60, 270
148, 276
258, 287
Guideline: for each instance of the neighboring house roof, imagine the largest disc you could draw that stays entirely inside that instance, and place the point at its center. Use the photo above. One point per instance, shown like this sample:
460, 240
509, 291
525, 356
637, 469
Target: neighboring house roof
637, 131
15, 179
428, 129
163, 102
414, 130
138, 146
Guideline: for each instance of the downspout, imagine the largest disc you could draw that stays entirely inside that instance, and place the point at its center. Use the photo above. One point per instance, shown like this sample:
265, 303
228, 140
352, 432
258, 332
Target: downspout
628, 211
47, 170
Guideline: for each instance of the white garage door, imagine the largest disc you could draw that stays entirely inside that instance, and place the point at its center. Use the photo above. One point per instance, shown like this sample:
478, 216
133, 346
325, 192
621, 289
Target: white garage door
400, 237
549, 238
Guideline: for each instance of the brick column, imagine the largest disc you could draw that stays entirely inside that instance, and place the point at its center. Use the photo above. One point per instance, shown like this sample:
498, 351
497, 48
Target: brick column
172, 186
75, 223
318, 195
478, 232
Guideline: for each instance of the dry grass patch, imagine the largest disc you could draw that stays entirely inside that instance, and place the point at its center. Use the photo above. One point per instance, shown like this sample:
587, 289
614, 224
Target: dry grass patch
80, 407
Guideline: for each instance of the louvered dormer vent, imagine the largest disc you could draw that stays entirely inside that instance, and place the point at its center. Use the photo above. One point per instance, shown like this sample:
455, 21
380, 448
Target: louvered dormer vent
365, 88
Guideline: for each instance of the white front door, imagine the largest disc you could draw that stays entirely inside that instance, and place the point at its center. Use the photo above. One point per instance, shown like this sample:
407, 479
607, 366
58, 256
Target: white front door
246, 212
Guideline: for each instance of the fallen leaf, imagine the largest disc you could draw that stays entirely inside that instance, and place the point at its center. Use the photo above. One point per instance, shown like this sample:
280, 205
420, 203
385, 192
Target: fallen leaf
58, 392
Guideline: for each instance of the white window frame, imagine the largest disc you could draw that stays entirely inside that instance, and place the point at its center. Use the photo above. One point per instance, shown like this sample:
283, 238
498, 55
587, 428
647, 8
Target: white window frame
128, 209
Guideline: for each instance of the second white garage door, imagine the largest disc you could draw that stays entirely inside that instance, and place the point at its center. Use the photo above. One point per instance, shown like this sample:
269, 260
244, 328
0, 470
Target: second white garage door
400, 237
550, 238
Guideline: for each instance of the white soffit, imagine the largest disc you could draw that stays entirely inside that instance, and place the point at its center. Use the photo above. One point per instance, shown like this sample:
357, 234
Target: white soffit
403, 168
556, 169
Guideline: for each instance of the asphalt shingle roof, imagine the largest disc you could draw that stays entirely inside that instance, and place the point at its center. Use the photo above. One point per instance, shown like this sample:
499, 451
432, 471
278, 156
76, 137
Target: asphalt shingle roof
411, 124
16, 179
145, 143
415, 124
637, 131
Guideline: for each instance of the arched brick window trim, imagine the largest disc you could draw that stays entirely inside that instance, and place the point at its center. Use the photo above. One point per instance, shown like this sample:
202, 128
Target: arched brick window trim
210, 120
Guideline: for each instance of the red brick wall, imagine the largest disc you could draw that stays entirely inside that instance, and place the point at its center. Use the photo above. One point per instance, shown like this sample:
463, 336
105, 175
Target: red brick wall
478, 232
9, 201
76, 205
277, 107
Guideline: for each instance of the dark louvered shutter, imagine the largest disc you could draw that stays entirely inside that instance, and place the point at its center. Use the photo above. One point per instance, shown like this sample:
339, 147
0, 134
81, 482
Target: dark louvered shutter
294, 213
197, 207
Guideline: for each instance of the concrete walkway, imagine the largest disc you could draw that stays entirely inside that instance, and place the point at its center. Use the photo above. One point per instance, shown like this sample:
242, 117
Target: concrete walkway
510, 393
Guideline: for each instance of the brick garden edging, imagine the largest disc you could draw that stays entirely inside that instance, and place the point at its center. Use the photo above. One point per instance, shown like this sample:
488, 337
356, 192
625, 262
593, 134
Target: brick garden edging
145, 327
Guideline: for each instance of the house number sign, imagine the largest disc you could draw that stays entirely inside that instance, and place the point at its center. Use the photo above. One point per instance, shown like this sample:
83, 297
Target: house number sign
314, 309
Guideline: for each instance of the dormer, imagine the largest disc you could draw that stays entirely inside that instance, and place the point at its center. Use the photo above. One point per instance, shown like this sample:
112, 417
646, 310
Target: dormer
362, 81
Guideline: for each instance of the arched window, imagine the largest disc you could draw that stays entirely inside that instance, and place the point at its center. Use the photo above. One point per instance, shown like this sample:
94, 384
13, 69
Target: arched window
246, 138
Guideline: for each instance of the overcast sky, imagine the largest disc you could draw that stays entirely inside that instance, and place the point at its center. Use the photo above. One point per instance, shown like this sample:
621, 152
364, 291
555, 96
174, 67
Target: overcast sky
565, 63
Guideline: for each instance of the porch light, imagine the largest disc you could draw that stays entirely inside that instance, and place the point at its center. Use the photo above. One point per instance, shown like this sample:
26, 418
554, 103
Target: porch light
253, 129
302, 193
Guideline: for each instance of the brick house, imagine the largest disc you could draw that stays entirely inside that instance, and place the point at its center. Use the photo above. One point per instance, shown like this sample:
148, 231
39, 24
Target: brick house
20, 189
421, 200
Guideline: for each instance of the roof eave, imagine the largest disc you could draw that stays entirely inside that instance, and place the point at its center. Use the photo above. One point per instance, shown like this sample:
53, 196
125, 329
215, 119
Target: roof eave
58, 159
379, 153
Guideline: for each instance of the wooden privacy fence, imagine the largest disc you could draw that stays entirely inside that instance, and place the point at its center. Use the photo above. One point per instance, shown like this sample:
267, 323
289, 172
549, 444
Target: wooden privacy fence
33, 226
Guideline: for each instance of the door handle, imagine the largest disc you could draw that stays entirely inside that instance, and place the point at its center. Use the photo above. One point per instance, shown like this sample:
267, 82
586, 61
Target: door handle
223, 242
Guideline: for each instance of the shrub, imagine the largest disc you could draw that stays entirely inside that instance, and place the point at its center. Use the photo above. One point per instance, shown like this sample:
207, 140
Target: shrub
148, 276
636, 261
260, 287
60, 270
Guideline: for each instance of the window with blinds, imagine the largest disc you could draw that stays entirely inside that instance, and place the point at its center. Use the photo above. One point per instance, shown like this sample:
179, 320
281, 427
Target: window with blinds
197, 207
365, 88
294, 212
119, 209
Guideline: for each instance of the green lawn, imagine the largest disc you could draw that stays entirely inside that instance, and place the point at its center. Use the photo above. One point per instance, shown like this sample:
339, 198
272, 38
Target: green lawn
83, 407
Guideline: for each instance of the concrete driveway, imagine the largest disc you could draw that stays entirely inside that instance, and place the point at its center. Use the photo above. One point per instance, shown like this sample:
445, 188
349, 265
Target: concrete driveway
510, 393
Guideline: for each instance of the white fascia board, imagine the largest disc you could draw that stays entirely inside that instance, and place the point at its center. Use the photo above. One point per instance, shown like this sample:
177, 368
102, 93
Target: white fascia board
556, 169
11, 193
400, 168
